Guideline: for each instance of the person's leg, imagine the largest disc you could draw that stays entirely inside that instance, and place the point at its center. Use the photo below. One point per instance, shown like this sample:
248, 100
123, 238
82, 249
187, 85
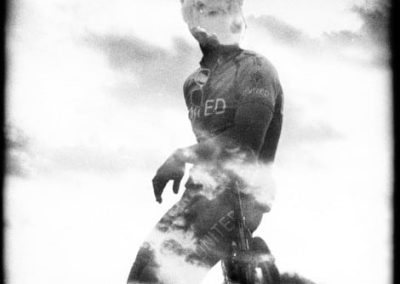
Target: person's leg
189, 240
175, 248
144, 270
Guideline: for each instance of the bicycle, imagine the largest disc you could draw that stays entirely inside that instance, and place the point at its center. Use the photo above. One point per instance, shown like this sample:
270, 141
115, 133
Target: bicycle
250, 260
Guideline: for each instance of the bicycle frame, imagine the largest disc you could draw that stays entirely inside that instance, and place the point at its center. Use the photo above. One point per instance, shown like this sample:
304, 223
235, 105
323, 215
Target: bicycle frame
247, 255
240, 258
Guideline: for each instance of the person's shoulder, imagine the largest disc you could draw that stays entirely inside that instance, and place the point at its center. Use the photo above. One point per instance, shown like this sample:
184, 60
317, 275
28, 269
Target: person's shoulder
257, 76
251, 61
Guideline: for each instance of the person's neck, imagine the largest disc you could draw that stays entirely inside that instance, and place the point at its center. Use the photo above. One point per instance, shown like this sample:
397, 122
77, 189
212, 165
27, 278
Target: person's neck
213, 51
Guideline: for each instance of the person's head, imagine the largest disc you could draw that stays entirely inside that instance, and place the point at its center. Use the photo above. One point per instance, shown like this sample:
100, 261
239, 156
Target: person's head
211, 20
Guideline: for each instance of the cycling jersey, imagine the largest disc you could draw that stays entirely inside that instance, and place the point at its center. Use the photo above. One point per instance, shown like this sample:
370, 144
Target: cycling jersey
227, 79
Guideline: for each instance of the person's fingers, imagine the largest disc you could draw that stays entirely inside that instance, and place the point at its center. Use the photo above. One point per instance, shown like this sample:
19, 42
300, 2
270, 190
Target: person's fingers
158, 187
175, 186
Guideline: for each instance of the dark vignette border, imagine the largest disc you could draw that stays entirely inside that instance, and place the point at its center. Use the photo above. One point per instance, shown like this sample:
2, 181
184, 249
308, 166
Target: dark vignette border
5, 11
394, 37
4, 5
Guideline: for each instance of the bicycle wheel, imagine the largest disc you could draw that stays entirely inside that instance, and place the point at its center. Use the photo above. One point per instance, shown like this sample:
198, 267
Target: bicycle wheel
265, 268
255, 266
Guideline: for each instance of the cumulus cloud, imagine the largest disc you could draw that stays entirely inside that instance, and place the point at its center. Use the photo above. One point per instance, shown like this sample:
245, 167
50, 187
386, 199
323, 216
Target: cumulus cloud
302, 131
126, 51
293, 278
279, 29
17, 151
376, 27
156, 70
371, 38
376, 24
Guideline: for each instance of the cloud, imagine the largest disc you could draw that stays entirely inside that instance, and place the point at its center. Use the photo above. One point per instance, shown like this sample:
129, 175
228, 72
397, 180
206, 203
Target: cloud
376, 24
157, 70
302, 132
376, 27
279, 29
88, 159
17, 151
372, 37
127, 141
292, 278
124, 52
368, 44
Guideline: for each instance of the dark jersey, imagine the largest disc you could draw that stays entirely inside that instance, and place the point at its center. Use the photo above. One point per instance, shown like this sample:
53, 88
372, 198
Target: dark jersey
228, 78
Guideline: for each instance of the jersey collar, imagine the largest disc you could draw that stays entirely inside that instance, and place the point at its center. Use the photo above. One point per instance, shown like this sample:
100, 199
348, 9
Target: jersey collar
213, 53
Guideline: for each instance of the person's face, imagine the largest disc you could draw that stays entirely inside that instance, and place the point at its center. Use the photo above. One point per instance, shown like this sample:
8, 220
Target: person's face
214, 20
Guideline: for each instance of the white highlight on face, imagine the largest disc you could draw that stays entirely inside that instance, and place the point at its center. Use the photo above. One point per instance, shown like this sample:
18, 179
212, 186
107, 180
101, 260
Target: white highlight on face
220, 19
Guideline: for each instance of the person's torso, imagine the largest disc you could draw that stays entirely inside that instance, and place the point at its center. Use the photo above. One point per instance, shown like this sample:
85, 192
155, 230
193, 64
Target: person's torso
213, 93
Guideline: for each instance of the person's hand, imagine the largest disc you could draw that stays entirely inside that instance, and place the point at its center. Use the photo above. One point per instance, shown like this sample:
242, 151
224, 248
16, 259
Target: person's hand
172, 169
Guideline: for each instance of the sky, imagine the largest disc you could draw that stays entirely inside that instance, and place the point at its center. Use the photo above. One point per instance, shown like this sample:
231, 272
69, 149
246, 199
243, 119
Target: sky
94, 105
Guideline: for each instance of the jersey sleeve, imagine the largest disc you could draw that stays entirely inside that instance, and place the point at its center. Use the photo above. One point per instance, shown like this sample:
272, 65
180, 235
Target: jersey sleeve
258, 82
259, 101
186, 90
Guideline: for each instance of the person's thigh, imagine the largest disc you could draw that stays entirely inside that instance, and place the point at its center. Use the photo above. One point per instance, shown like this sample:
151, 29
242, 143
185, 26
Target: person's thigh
188, 240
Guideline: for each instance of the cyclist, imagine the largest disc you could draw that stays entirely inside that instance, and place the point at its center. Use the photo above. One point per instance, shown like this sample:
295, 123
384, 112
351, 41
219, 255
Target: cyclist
234, 102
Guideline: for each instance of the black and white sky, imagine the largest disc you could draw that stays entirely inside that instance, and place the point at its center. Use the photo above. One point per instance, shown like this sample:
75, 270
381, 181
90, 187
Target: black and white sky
95, 104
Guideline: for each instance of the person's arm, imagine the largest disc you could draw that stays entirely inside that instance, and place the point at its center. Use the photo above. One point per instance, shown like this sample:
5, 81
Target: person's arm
247, 135
251, 122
